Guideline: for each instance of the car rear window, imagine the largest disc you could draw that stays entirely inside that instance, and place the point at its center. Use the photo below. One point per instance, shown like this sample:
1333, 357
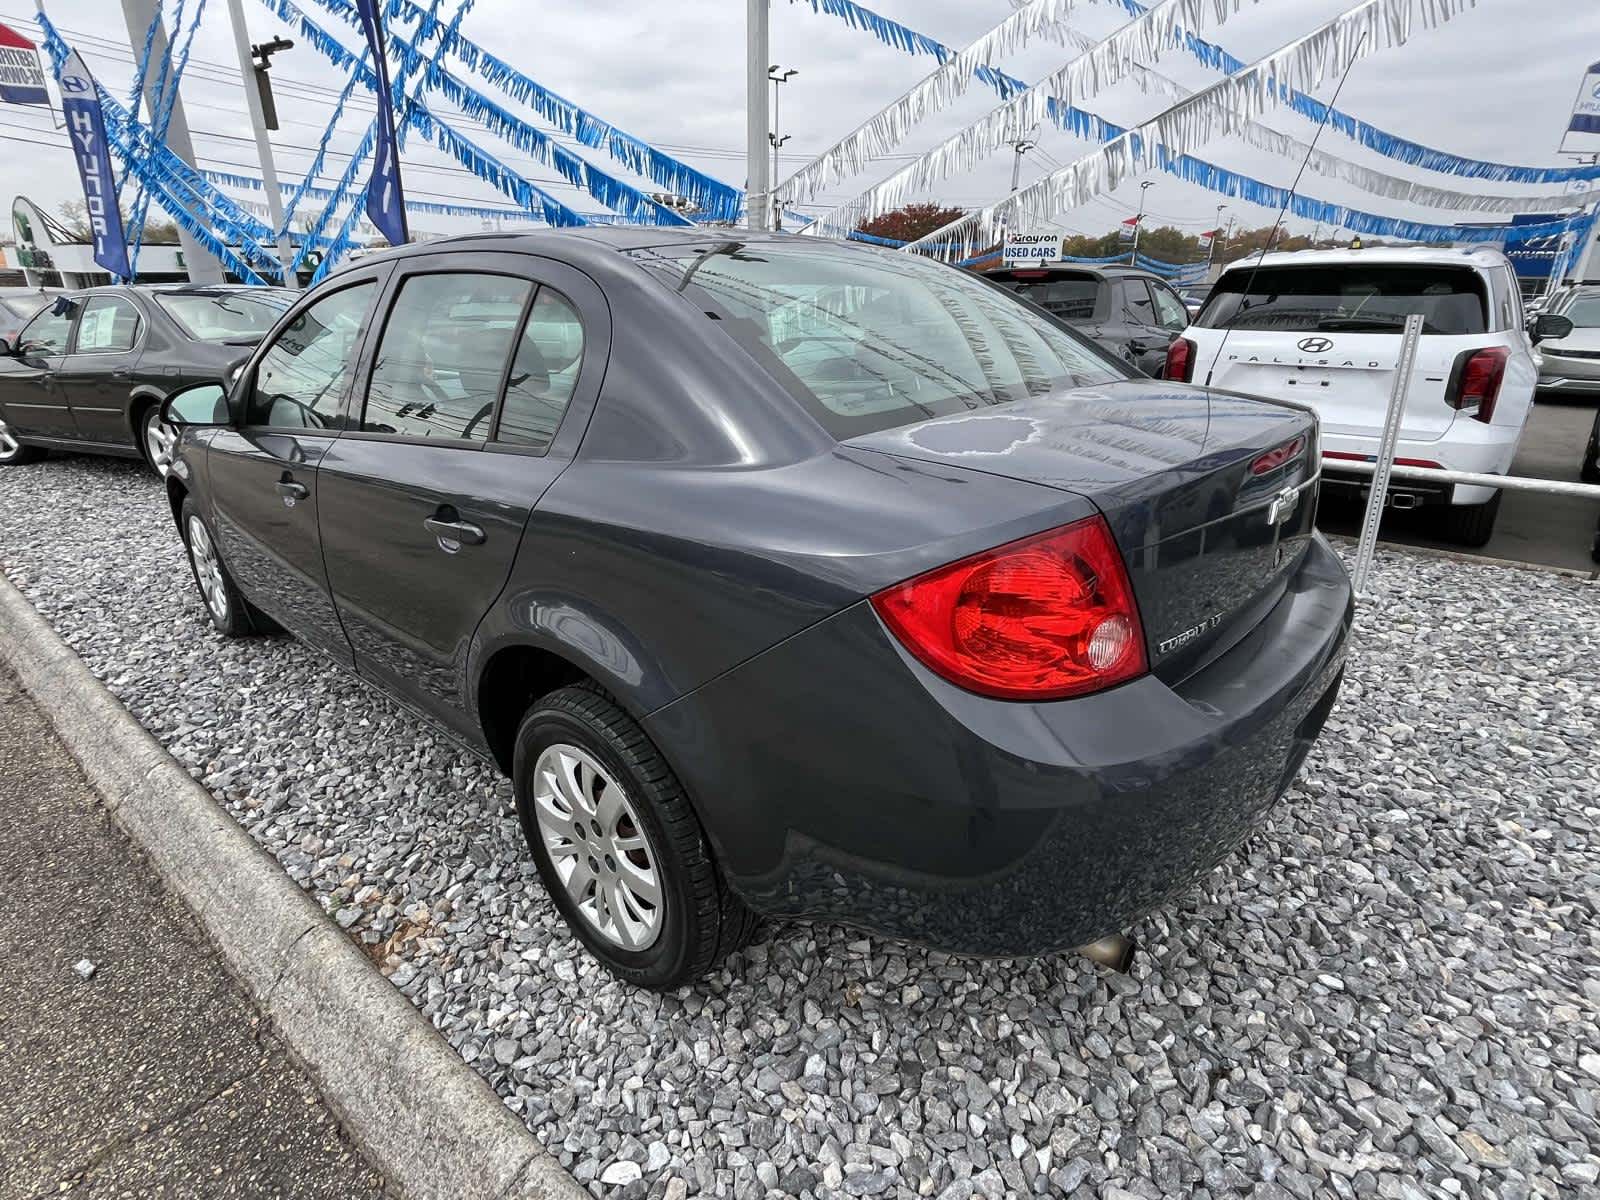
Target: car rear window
1356, 298
1070, 297
226, 317
868, 340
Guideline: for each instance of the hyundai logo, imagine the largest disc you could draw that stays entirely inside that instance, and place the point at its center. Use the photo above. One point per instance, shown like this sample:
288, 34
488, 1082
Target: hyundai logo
1596, 92
74, 84
1315, 345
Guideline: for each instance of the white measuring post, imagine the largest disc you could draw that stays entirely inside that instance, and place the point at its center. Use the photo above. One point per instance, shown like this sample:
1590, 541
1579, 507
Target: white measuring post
1391, 435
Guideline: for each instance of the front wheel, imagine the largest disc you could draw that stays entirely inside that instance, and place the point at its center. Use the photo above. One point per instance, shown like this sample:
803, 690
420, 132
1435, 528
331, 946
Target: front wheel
14, 453
1469, 524
224, 605
158, 440
617, 844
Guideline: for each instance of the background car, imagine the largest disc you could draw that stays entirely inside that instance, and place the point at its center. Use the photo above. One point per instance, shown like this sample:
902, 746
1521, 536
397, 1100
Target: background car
89, 370
1322, 327
1131, 313
1572, 363
782, 576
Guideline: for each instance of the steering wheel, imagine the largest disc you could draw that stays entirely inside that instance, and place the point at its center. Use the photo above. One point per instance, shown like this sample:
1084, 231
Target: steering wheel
476, 420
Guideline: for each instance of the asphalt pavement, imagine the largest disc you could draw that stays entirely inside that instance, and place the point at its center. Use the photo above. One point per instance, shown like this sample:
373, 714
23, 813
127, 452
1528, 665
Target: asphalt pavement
132, 1065
1553, 531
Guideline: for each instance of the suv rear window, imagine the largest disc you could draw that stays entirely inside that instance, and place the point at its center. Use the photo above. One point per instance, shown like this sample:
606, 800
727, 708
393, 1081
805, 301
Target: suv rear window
1070, 297
867, 340
1354, 298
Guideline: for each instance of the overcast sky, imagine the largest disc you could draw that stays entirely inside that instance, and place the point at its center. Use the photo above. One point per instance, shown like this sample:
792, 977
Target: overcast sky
1497, 83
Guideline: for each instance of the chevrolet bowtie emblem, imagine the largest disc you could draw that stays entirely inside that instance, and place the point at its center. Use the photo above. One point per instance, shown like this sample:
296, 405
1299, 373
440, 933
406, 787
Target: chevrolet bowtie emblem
1283, 506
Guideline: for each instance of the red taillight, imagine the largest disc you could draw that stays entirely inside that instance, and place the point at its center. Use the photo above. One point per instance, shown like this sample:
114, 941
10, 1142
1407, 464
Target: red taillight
1399, 462
1478, 375
1180, 360
1045, 618
1273, 459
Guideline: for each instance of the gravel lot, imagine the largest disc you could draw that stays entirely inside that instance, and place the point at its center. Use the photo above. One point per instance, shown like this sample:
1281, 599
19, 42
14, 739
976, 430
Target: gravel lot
1391, 991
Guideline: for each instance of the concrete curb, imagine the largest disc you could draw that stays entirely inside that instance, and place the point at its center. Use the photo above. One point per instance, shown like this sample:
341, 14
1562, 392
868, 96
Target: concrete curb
426, 1120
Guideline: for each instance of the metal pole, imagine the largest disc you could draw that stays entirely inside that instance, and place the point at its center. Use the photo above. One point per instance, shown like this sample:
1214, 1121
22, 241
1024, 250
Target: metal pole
758, 186
202, 266
1385, 464
269, 170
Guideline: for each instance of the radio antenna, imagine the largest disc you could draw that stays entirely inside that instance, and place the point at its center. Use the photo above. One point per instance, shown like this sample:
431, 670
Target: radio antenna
1294, 187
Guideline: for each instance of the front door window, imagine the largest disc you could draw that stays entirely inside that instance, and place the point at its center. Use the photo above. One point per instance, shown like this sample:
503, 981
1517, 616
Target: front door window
302, 380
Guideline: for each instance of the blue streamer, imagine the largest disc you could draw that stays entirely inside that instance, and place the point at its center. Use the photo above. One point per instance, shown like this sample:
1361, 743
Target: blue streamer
1090, 127
1389, 145
477, 160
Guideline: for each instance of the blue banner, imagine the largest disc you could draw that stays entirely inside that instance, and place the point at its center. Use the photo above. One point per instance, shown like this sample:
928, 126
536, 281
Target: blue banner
86, 127
386, 205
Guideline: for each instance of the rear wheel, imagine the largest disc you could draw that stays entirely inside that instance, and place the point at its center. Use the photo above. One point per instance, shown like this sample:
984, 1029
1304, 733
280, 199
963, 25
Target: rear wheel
1469, 524
13, 452
158, 440
617, 844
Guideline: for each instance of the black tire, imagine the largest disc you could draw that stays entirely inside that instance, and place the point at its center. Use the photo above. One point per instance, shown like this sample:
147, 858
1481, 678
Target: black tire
1469, 524
700, 919
1590, 472
228, 610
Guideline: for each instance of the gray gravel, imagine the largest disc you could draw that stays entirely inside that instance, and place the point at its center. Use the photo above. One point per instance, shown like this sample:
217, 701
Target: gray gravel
1392, 990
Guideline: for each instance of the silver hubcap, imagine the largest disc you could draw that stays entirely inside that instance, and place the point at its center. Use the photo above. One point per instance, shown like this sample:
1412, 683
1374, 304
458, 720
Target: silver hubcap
598, 846
159, 441
208, 569
8, 444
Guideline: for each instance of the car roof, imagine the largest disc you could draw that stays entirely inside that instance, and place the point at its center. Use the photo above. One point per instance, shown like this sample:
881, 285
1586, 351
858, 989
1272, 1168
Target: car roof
1480, 257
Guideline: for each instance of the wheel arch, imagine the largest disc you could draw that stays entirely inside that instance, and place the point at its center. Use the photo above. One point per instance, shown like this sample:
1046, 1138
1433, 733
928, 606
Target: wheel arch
512, 678
140, 401
177, 493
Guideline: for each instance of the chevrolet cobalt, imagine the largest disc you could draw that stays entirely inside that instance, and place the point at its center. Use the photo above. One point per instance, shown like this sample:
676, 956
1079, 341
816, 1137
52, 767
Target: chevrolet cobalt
783, 577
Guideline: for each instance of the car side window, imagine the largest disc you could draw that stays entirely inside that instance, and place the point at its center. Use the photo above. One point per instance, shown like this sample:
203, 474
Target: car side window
443, 356
1136, 299
49, 331
544, 373
109, 325
302, 379
1169, 308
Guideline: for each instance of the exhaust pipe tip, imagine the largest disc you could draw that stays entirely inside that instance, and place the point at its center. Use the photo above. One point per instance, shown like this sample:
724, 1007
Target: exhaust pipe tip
1114, 952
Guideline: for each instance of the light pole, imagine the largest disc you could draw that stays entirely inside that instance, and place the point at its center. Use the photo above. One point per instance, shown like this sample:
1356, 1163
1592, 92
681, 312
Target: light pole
257, 94
779, 76
758, 183
1138, 223
1216, 232
1021, 146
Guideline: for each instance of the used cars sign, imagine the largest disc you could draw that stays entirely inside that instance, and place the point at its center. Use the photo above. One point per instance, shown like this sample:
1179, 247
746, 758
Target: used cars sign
1024, 248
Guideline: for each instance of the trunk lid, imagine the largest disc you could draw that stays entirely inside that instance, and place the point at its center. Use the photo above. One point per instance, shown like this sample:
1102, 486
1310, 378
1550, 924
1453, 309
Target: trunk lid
1170, 467
1346, 377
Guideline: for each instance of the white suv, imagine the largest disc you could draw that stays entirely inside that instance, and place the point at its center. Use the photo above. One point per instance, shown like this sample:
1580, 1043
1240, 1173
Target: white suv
1323, 327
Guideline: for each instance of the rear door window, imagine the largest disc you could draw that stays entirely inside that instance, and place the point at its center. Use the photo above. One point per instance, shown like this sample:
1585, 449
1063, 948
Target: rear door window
1169, 309
544, 373
1353, 298
443, 356
109, 325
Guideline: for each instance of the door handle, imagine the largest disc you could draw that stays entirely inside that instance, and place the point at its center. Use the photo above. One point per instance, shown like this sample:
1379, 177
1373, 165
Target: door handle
290, 490
464, 532
122, 373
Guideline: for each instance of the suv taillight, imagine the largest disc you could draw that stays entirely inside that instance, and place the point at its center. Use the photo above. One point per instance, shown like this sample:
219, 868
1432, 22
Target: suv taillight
1180, 360
1044, 618
1475, 383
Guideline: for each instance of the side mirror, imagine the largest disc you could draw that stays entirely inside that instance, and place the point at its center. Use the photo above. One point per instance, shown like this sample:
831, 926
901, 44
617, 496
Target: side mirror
199, 404
6, 350
1547, 326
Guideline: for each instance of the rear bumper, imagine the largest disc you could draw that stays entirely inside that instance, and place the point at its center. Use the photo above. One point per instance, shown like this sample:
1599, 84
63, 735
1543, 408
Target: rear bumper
1468, 446
838, 779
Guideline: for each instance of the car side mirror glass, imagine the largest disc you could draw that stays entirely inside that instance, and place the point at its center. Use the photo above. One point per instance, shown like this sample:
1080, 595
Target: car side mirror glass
200, 404
6, 349
1547, 326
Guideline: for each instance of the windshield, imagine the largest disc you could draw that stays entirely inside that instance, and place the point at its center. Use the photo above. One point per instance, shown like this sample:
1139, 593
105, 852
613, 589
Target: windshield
867, 339
1584, 312
22, 307
1355, 297
227, 316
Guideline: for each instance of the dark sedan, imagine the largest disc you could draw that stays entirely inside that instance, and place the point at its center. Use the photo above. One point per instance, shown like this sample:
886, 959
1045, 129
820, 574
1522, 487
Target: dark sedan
782, 576
1131, 313
90, 369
